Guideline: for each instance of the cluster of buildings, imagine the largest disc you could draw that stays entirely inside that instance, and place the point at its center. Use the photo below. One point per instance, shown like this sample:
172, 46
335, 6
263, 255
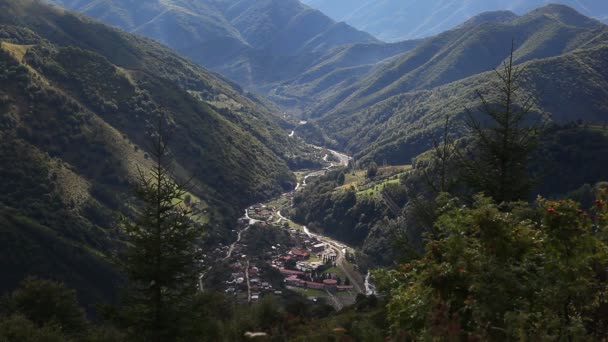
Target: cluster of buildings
327, 284
297, 266
261, 213
303, 266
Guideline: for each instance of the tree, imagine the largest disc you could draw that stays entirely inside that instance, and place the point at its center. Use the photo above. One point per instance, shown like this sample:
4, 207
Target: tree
163, 260
372, 170
502, 140
533, 273
19, 328
47, 303
341, 178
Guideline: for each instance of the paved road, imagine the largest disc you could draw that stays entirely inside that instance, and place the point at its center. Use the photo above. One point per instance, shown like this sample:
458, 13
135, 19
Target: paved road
248, 284
341, 261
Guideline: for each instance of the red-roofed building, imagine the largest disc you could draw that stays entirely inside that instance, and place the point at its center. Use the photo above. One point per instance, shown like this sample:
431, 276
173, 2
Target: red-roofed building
313, 285
330, 284
290, 272
300, 254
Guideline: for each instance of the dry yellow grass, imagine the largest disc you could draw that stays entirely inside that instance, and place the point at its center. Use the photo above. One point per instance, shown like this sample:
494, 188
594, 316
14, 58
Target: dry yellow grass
18, 51
73, 188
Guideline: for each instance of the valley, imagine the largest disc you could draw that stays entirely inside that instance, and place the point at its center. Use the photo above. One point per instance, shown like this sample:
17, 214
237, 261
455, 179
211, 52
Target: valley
317, 246
235, 170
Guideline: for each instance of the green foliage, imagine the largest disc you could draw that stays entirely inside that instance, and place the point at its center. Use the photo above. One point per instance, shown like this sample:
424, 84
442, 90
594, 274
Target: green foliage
562, 150
45, 302
340, 213
503, 140
17, 328
372, 170
163, 259
530, 273
46, 311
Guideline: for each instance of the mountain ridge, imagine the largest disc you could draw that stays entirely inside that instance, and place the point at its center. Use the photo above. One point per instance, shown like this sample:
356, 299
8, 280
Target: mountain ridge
465, 51
393, 20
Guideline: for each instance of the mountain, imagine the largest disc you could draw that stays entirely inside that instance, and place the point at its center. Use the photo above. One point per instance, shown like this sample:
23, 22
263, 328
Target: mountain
253, 42
78, 100
392, 112
394, 20
335, 70
474, 47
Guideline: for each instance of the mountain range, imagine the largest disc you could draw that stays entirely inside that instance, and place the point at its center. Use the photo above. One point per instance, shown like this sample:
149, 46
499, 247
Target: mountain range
79, 100
253, 42
394, 20
403, 99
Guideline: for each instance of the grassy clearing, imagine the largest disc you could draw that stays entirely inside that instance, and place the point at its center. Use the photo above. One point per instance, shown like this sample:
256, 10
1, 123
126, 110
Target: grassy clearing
309, 292
358, 179
18, 51
337, 271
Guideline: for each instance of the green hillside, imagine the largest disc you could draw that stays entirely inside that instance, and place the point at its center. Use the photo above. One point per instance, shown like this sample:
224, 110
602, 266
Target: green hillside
251, 42
468, 50
78, 101
568, 88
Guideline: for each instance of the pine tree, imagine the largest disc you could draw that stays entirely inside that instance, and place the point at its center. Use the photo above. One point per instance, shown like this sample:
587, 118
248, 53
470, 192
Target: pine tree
162, 263
503, 139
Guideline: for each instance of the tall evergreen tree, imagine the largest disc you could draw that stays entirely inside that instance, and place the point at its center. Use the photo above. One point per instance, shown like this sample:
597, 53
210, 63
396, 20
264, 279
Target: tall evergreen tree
162, 263
504, 137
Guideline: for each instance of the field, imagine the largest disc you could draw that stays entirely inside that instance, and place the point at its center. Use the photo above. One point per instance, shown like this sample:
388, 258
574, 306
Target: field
368, 187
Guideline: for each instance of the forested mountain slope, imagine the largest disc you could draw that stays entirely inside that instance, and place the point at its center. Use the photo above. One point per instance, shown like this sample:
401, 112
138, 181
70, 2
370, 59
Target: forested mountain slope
476, 46
250, 41
570, 87
78, 102
394, 20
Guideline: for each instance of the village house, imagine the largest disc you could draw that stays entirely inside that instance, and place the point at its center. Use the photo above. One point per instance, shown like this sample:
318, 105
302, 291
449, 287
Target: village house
318, 248
308, 266
290, 272
300, 254
328, 284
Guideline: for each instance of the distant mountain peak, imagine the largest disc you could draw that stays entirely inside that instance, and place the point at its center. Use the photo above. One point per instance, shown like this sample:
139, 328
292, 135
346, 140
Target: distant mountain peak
564, 14
490, 17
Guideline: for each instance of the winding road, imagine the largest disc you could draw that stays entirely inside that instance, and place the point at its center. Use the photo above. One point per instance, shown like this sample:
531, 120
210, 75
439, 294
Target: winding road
360, 284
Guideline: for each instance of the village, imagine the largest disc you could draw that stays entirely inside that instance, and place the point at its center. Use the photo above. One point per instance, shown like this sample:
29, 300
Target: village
273, 256
303, 263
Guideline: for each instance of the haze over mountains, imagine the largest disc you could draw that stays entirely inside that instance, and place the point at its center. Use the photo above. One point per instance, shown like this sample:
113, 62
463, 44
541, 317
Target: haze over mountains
370, 115
393, 20
360, 90
244, 40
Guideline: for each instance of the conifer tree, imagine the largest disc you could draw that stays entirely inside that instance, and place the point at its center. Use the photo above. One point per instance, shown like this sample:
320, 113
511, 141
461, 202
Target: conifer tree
162, 263
504, 138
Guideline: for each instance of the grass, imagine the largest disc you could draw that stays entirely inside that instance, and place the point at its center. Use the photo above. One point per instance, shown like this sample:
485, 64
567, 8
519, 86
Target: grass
599, 128
18, 51
337, 271
366, 187
309, 292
